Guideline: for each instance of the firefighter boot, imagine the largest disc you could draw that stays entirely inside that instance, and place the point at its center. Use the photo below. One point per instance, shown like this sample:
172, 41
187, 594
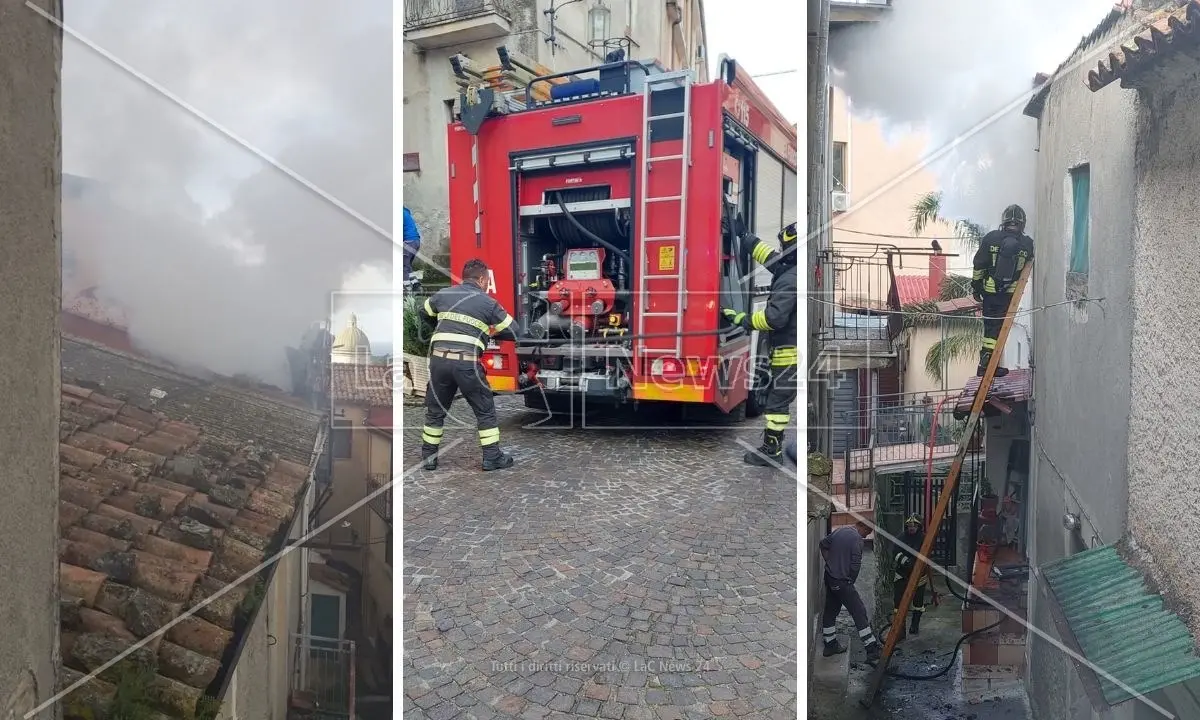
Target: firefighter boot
769, 453
496, 459
985, 357
429, 456
915, 626
834, 647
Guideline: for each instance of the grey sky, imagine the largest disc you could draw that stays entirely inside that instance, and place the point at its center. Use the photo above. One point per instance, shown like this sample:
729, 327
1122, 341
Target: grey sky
767, 39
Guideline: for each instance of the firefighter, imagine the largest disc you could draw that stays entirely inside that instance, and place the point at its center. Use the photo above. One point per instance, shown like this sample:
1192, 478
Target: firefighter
778, 319
464, 313
1001, 257
905, 562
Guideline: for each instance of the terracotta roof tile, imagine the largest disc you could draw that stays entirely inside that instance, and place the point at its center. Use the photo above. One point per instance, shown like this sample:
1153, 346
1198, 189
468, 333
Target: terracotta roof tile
361, 384
156, 514
1015, 387
1161, 32
912, 288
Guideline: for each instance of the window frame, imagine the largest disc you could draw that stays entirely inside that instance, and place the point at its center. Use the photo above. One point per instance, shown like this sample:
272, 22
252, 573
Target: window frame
339, 425
837, 169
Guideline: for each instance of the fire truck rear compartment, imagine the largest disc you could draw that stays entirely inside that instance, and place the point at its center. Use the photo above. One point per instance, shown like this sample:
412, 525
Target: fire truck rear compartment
575, 269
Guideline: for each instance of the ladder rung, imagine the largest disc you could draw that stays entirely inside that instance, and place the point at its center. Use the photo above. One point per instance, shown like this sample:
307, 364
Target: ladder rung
665, 116
665, 198
664, 157
661, 237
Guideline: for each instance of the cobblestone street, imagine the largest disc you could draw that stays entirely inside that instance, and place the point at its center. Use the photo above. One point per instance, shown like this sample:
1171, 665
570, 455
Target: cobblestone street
613, 573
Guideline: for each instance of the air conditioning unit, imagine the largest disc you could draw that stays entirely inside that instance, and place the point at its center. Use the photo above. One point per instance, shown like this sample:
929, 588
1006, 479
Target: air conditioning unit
839, 202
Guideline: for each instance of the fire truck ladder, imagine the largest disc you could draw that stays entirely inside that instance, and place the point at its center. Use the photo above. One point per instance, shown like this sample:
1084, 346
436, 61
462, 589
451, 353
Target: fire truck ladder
656, 84
931, 527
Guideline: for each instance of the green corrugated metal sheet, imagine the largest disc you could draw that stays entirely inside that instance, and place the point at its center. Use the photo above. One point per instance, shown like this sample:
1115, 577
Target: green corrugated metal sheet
1120, 624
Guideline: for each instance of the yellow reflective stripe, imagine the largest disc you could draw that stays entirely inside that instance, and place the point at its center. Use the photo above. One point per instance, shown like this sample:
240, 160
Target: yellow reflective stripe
977, 275
790, 236
504, 323
760, 252
429, 308
989, 343
758, 320
491, 436
990, 285
431, 435
458, 338
783, 353
899, 558
464, 319
777, 422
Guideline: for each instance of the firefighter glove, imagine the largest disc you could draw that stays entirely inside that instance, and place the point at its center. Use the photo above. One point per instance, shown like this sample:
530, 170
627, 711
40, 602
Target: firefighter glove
734, 317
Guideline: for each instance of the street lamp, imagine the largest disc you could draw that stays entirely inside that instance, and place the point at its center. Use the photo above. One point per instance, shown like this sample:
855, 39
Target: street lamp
599, 22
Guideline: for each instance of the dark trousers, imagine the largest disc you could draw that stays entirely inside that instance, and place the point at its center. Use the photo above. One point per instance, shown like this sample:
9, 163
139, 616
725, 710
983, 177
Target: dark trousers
918, 603
995, 307
777, 412
840, 594
447, 377
410, 252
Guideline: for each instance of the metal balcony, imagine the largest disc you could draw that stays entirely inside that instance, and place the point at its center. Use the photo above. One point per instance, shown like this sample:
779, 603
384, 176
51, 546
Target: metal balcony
432, 24
381, 503
860, 285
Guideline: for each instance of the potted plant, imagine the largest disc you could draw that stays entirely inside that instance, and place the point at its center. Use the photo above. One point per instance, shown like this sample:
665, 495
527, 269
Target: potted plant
415, 347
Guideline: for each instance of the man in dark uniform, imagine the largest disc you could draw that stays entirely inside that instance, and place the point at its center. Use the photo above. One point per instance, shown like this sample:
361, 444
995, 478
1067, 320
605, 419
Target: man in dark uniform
467, 317
778, 319
842, 551
1001, 257
905, 562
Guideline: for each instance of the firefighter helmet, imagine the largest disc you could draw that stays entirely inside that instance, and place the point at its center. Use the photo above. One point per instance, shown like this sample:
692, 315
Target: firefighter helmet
788, 236
1013, 215
914, 519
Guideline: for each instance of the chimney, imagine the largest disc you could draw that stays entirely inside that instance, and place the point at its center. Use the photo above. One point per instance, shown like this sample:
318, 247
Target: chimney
937, 274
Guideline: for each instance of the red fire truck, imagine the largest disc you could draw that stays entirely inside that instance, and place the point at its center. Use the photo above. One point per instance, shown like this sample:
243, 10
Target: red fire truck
616, 207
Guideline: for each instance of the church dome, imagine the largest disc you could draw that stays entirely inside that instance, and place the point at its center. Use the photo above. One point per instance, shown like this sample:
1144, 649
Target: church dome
351, 345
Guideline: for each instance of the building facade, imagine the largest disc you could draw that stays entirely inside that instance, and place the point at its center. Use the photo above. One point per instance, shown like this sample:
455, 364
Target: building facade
574, 35
1113, 491
31, 145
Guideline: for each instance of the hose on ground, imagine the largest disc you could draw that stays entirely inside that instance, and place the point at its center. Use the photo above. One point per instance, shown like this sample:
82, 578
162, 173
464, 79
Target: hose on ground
953, 656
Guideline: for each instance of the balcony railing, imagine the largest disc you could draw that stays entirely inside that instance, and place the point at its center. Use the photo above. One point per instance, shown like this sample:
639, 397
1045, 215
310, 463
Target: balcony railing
425, 14
381, 503
866, 300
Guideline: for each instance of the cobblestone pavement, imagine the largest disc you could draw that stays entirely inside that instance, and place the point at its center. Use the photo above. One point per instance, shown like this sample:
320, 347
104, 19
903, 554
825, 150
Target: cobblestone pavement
612, 573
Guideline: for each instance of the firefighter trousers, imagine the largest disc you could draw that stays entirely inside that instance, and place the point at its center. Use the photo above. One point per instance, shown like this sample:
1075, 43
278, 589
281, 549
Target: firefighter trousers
995, 307
780, 396
446, 378
918, 602
838, 595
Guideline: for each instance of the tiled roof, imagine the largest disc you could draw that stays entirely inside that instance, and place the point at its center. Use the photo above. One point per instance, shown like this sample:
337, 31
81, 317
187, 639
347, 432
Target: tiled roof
1161, 32
958, 305
912, 288
361, 383
160, 510
1043, 82
380, 418
1014, 387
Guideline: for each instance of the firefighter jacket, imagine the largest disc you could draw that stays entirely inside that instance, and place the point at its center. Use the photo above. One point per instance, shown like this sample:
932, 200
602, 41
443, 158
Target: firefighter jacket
778, 318
1001, 257
467, 318
905, 560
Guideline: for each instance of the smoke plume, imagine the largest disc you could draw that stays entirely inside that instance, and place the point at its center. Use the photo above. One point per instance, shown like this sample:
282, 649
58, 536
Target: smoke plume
218, 259
949, 67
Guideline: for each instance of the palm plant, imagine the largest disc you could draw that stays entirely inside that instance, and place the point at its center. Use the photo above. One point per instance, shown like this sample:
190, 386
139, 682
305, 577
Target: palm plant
961, 335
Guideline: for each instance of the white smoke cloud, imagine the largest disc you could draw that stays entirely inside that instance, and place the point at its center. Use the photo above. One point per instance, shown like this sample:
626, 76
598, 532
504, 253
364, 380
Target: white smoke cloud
222, 260
947, 67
